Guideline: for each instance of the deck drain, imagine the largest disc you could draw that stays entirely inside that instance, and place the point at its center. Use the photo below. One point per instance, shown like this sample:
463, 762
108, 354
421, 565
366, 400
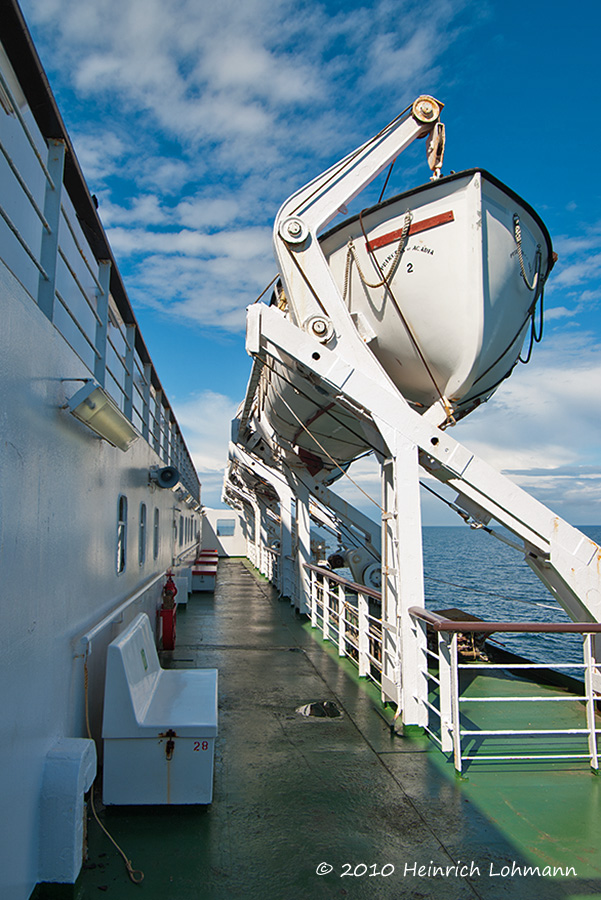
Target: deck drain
320, 709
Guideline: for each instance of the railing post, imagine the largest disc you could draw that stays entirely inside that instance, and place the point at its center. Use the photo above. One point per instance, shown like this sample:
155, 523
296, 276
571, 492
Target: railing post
363, 627
419, 640
257, 535
446, 691
158, 412
102, 311
456, 724
172, 455
589, 662
288, 575
403, 681
264, 531
146, 401
166, 433
52, 214
313, 598
391, 639
325, 608
341, 621
128, 395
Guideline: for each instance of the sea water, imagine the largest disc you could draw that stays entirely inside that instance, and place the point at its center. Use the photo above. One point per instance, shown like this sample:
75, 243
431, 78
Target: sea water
472, 570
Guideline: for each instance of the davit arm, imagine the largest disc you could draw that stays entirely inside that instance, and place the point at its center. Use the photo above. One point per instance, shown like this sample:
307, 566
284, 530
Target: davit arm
309, 286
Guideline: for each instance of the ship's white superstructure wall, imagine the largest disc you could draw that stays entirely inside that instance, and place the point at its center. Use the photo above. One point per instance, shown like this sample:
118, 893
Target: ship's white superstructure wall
83, 529
59, 495
224, 530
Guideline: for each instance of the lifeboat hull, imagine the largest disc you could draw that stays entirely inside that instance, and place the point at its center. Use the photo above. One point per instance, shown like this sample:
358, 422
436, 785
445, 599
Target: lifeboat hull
456, 303
435, 285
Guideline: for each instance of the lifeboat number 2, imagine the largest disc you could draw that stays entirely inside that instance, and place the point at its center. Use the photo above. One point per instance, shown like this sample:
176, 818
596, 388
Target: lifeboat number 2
201, 745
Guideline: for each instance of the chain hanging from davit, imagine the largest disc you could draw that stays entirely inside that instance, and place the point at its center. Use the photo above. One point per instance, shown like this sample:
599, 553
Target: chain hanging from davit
351, 256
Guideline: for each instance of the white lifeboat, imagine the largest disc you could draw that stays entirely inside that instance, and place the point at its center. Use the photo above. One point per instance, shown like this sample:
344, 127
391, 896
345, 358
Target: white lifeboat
442, 282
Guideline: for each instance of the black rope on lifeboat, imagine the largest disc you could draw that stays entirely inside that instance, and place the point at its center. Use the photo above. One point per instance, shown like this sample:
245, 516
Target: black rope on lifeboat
535, 336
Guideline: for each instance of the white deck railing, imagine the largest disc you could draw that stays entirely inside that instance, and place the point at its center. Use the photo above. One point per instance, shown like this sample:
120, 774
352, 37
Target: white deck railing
446, 696
53, 243
349, 615
265, 559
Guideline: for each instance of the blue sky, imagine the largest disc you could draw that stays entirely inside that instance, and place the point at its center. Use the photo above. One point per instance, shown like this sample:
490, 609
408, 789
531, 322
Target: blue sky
194, 120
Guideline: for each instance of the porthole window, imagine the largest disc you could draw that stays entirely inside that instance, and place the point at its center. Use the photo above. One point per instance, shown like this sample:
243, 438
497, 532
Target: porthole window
121, 534
142, 535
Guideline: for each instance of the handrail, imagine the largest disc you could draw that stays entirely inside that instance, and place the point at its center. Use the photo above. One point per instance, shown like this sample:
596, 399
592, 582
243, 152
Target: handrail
78, 249
353, 585
448, 712
441, 623
87, 638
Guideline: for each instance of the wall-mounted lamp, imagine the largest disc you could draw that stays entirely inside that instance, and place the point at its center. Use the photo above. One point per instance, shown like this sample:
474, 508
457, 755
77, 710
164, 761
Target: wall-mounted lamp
93, 406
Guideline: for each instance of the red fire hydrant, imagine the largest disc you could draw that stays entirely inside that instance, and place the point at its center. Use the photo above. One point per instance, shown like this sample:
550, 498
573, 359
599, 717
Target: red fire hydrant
167, 613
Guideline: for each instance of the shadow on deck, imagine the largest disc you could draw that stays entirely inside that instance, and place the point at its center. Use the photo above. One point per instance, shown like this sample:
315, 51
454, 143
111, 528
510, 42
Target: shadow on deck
324, 807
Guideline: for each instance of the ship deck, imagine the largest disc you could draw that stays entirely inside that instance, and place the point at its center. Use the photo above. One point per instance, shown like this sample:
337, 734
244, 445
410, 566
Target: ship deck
345, 796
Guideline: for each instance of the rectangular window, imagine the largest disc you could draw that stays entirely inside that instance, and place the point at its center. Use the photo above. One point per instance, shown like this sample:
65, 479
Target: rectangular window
155, 534
121, 534
142, 535
181, 531
226, 527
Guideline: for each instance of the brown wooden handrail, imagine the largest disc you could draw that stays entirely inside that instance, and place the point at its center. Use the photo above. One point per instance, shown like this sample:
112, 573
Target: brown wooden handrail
352, 585
441, 623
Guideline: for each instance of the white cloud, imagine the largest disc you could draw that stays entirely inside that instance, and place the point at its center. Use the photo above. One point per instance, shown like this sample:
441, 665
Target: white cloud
206, 419
145, 209
205, 117
560, 312
226, 77
204, 212
168, 174
242, 244
238, 104
99, 160
589, 266
544, 423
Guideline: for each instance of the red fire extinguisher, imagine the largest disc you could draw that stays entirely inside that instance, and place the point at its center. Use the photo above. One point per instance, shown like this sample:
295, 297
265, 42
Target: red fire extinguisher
167, 613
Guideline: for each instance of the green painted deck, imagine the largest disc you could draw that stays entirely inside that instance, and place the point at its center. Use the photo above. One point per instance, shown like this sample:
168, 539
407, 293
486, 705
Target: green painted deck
295, 796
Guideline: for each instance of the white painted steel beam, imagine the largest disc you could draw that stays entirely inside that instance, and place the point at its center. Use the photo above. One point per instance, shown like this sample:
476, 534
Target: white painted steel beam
320, 341
309, 285
52, 213
102, 310
564, 558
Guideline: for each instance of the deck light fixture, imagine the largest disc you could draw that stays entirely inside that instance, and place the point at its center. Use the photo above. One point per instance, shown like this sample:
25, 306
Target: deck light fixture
93, 406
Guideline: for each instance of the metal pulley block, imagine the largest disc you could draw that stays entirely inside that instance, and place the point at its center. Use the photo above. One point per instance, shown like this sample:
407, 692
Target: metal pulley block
426, 109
